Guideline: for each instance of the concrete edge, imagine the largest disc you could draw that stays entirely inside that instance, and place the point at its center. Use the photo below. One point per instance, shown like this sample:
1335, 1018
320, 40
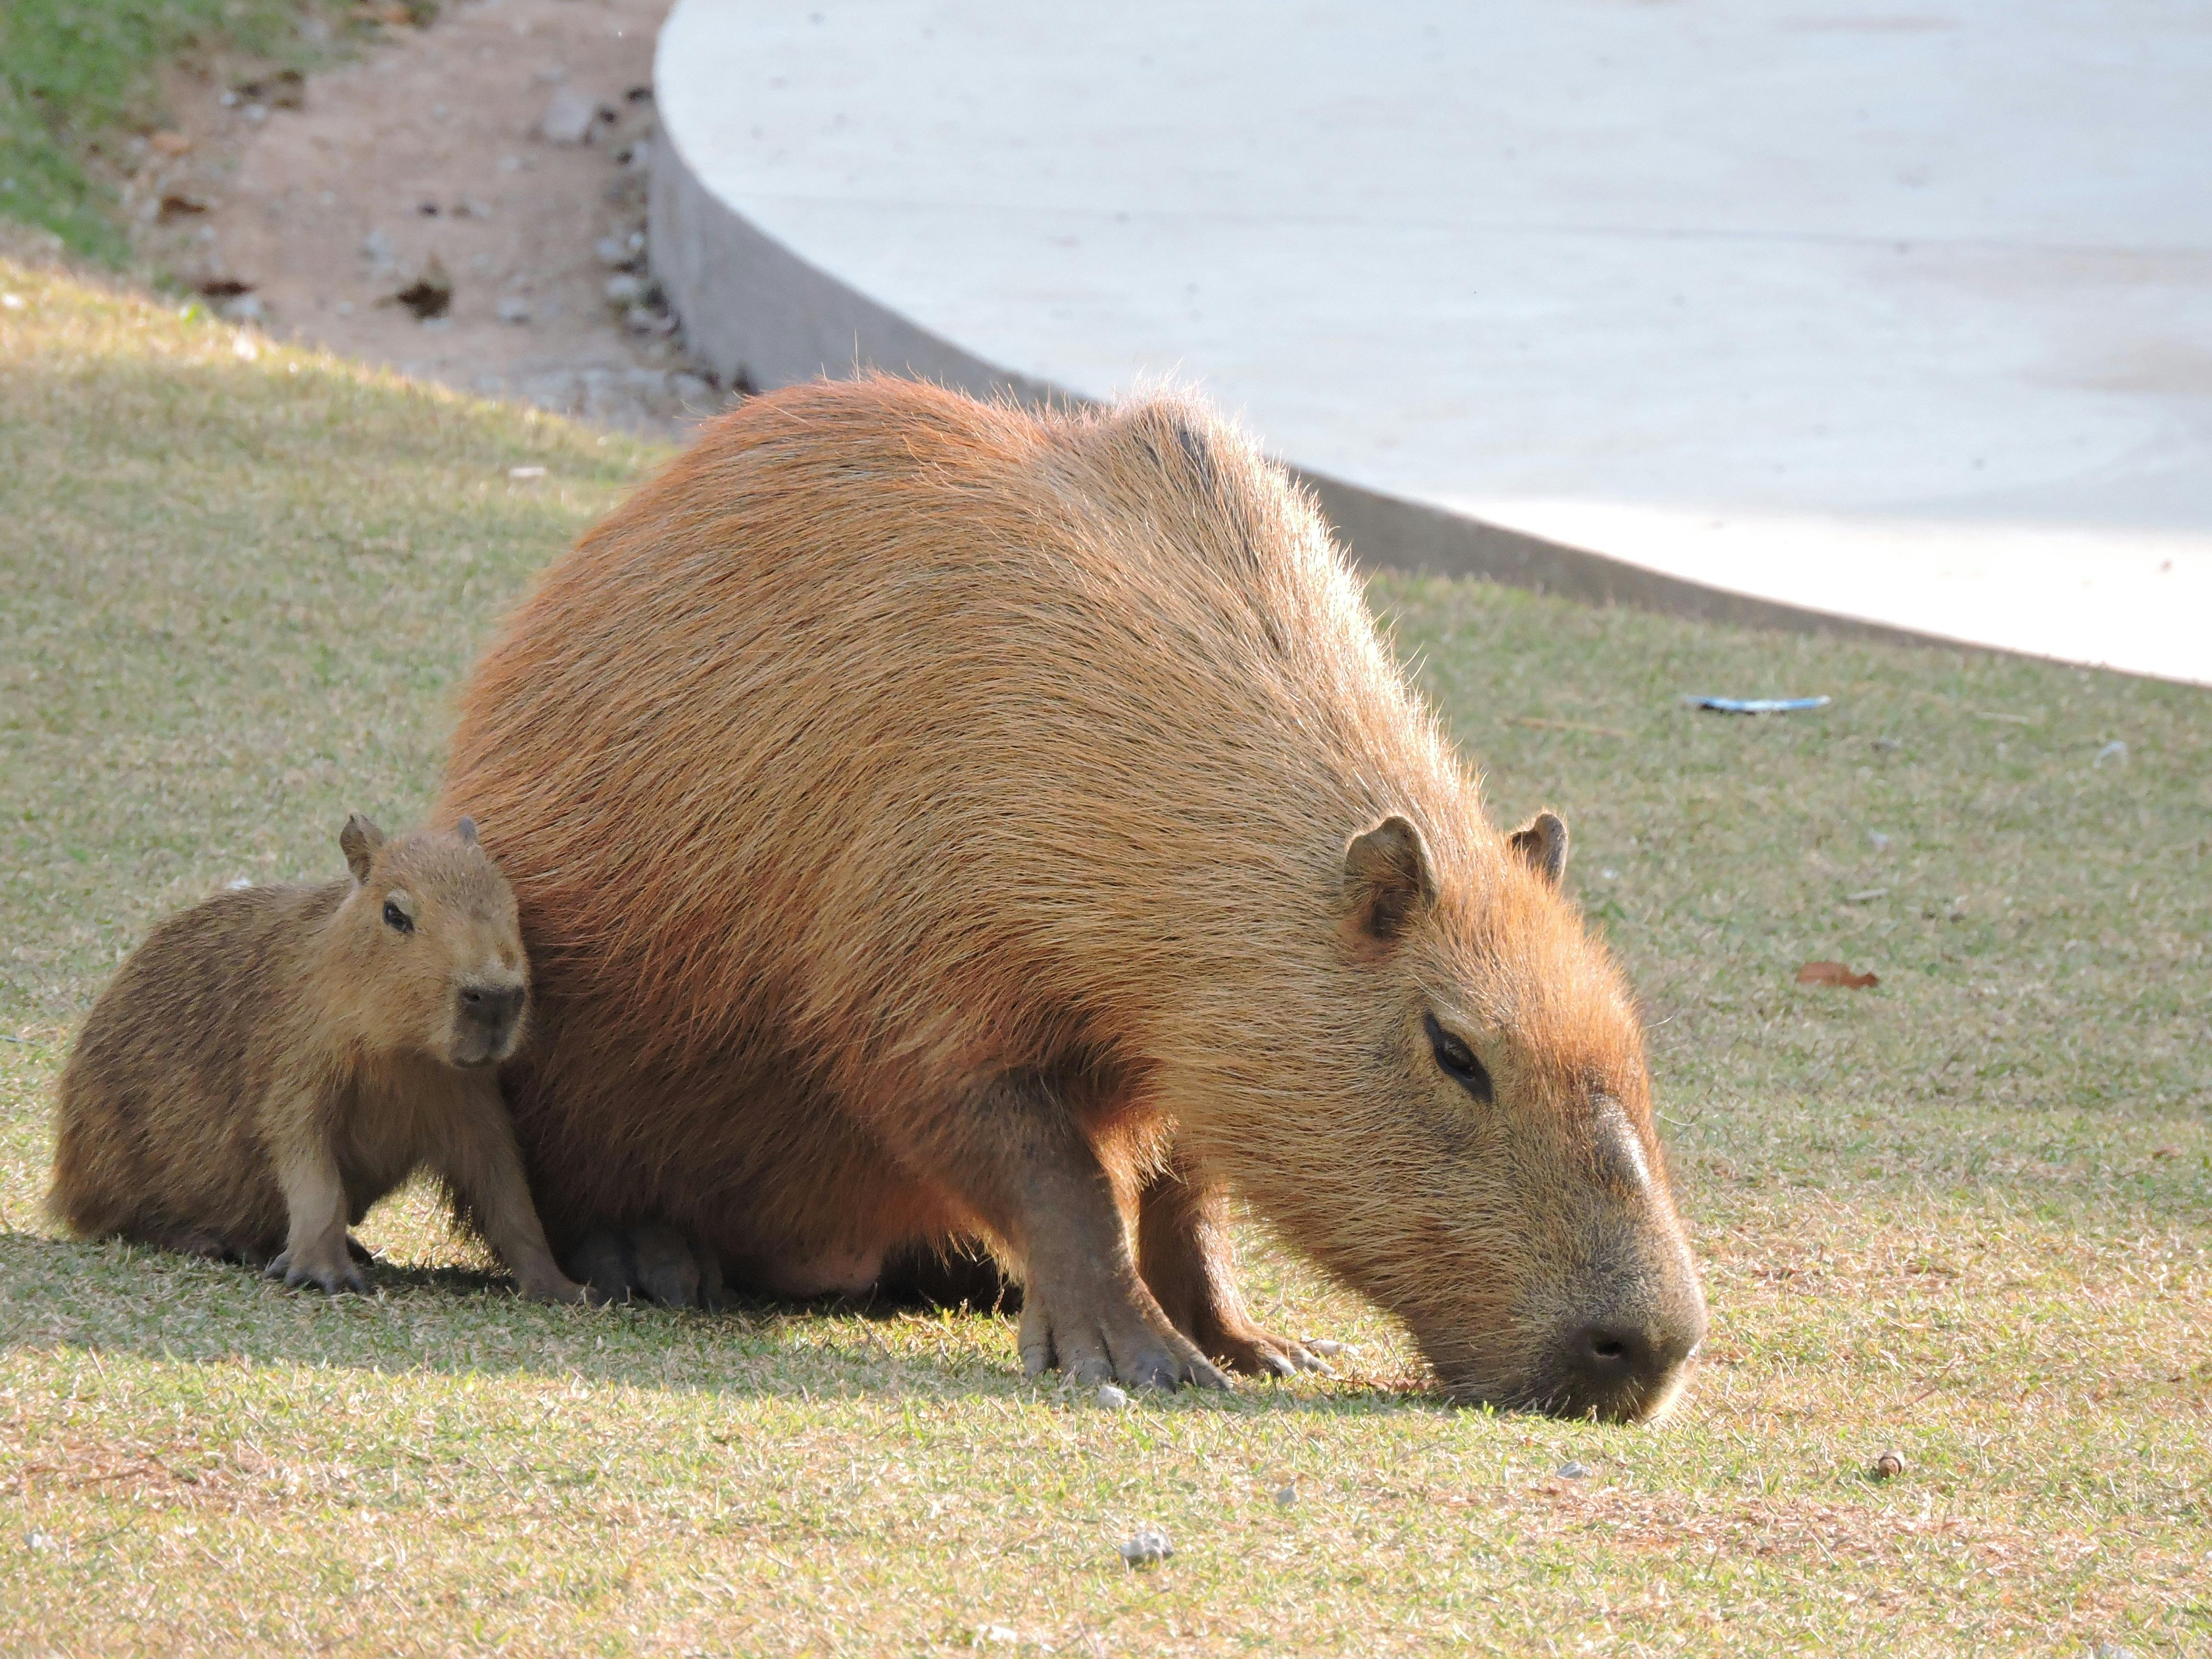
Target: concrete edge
761, 317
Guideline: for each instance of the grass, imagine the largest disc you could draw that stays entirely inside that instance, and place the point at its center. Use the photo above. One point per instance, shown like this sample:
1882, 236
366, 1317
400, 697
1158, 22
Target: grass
78, 78
1966, 1214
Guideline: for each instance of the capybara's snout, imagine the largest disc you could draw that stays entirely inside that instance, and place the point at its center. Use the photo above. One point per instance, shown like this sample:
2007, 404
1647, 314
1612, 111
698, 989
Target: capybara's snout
487, 1020
1622, 1369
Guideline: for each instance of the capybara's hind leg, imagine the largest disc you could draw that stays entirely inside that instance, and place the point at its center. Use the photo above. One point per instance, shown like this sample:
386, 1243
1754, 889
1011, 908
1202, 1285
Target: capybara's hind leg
1183, 1249
601, 1261
655, 1261
667, 1268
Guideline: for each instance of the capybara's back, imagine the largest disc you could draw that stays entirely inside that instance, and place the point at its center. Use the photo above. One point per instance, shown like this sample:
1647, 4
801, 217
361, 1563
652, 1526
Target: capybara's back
155, 1134
934, 819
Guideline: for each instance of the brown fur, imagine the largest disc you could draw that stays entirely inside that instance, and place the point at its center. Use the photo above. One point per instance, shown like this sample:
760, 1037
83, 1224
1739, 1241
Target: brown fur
272, 1061
935, 820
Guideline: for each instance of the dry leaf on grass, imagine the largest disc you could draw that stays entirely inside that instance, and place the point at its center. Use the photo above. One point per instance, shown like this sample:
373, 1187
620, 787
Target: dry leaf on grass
1834, 973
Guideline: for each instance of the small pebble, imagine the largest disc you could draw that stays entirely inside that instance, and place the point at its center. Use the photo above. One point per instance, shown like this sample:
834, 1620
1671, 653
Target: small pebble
526, 473
1147, 1546
568, 119
998, 1635
1888, 1465
1286, 1496
2115, 752
41, 1541
1112, 1398
1573, 1471
1876, 840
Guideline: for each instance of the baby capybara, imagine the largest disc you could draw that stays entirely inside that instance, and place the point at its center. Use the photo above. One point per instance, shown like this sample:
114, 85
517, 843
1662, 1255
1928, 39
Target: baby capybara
272, 1061
933, 821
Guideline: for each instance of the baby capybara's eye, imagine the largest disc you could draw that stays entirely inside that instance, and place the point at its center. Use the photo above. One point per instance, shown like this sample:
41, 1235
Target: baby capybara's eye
397, 919
1458, 1061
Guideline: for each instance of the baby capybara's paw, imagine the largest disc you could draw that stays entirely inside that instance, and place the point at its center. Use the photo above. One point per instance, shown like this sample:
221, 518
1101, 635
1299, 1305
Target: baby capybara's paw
328, 1266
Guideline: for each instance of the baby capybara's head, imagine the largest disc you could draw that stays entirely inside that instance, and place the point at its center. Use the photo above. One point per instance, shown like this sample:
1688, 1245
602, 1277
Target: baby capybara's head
1498, 1184
429, 946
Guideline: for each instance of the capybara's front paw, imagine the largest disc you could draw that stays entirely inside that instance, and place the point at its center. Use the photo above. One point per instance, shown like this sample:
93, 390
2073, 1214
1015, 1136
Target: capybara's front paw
1092, 1340
331, 1270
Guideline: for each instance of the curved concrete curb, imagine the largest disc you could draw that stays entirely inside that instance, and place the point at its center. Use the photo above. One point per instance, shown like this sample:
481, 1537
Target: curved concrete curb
760, 315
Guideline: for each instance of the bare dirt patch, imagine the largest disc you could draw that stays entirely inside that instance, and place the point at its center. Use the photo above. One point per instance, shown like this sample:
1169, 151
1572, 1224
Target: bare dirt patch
465, 203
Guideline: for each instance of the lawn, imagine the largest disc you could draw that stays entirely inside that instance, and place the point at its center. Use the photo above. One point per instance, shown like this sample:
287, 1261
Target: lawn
1966, 1214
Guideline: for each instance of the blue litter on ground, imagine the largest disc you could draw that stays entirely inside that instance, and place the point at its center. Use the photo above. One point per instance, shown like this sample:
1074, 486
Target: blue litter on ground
1758, 705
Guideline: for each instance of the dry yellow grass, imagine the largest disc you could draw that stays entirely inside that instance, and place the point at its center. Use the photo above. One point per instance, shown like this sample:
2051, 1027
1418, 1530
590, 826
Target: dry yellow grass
1966, 1214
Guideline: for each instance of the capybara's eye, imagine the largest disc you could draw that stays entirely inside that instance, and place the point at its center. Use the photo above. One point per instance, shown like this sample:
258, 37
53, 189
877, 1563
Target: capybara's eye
1458, 1061
397, 919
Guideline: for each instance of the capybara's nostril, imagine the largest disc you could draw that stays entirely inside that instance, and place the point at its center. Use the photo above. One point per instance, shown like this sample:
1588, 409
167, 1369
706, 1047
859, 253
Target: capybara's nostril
491, 1010
1616, 1370
1609, 1351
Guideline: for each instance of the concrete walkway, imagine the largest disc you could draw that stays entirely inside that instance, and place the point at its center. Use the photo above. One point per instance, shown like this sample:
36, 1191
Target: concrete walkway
1896, 313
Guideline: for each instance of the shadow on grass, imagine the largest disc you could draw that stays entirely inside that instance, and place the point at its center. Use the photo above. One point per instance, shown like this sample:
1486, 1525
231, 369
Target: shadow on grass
111, 1300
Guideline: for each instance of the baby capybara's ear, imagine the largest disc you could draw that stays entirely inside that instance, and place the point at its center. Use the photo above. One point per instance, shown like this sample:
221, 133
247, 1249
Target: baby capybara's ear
1542, 844
1388, 878
359, 840
466, 829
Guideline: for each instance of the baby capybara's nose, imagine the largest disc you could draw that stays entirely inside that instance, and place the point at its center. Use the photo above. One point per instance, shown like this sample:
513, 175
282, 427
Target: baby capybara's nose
1620, 1370
488, 1013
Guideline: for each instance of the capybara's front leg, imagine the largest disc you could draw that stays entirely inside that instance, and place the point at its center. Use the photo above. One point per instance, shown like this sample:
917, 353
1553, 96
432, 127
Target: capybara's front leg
1029, 1171
1184, 1252
478, 1162
314, 1200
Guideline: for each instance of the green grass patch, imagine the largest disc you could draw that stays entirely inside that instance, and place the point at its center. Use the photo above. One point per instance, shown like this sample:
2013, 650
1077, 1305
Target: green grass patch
1966, 1214
77, 78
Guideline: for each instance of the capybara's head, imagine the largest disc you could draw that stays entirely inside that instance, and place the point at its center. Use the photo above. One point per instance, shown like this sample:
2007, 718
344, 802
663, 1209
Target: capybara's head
1501, 1186
429, 945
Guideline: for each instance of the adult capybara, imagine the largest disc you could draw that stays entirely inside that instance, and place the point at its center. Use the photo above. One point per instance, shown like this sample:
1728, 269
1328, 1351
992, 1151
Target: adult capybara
934, 820
272, 1061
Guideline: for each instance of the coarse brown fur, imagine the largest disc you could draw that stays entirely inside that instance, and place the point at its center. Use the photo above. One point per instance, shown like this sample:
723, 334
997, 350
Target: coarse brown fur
272, 1061
936, 820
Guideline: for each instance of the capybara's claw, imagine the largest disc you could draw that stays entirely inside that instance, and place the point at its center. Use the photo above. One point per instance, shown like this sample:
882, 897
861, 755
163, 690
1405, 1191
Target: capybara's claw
555, 1287
1090, 1350
330, 1278
1262, 1354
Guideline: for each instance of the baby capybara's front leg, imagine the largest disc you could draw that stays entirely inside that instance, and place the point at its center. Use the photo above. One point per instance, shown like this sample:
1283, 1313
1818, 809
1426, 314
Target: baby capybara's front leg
479, 1164
315, 1250
1184, 1252
1028, 1169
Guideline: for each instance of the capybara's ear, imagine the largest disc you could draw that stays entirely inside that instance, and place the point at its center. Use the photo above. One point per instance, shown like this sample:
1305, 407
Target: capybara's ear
466, 829
359, 840
1387, 880
1542, 845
